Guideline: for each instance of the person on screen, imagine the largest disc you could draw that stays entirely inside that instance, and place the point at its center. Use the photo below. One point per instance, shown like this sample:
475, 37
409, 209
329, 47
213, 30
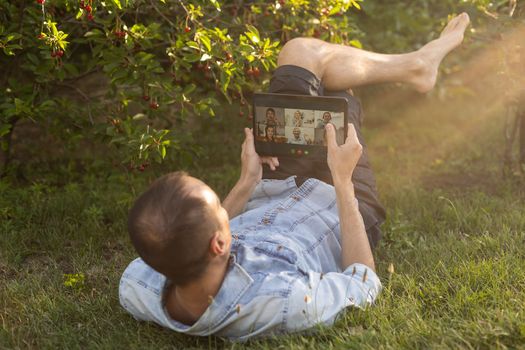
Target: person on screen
271, 118
327, 118
290, 247
297, 138
298, 119
269, 133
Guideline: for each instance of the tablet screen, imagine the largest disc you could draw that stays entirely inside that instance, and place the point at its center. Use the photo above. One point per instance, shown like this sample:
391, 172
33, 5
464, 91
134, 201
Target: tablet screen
295, 125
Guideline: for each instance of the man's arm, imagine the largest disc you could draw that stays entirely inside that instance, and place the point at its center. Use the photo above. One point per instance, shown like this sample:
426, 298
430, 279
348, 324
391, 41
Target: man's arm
239, 195
251, 174
342, 161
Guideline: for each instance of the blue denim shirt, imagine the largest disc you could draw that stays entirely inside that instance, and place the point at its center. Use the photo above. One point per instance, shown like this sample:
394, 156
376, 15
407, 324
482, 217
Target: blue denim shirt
284, 272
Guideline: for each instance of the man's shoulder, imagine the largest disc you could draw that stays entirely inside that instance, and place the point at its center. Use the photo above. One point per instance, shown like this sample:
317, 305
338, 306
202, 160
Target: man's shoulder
141, 290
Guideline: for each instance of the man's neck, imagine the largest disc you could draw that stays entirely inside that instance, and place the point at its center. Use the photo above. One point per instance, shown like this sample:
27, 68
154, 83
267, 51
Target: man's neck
187, 303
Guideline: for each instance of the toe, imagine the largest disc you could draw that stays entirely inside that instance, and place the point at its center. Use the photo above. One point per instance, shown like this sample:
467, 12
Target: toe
463, 20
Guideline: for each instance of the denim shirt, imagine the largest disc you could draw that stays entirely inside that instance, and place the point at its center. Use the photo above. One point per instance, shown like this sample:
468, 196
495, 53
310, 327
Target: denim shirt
284, 273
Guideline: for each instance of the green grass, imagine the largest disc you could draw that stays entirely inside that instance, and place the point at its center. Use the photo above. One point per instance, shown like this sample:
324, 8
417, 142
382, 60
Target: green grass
455, 235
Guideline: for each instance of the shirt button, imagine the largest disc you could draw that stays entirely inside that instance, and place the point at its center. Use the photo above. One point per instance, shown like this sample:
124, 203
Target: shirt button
265, 221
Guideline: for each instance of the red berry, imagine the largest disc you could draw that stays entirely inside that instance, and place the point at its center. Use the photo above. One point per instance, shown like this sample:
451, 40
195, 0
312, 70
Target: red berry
145, 98
282, 2
141, 167
187, 29
41, 2
53, 54
154, 105
250, 117
228, 56
317, 33
256, 72
90, 17
60, 53
241, 113
88, 8
82, 4
41, 36
249, 71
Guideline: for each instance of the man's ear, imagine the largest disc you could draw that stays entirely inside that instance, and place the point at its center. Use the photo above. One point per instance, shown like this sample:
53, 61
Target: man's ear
218, 244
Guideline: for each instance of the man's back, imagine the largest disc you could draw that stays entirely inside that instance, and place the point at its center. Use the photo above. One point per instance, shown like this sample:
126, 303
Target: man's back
284, 272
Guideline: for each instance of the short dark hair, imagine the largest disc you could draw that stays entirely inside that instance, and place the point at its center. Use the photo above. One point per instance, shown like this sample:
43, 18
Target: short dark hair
171, 229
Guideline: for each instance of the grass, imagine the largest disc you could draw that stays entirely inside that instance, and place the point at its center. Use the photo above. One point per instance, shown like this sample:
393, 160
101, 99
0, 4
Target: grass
455, 235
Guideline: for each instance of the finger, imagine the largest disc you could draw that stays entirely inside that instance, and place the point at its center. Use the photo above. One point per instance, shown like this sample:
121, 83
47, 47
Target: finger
243, 146
330, 136
248, 140
274, 163
271, 162
352, 134
247, 133
268, 161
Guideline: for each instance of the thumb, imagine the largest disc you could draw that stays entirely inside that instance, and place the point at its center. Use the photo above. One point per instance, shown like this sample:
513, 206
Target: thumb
352, 134
330, 136
248, 139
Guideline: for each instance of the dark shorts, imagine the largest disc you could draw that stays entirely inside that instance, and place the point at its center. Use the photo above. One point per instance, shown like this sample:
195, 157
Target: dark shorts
299, 81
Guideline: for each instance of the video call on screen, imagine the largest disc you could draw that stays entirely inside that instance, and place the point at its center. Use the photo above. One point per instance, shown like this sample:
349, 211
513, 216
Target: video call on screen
296, 126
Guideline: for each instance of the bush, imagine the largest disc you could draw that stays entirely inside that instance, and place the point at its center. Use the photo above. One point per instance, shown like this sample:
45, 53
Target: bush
130, 74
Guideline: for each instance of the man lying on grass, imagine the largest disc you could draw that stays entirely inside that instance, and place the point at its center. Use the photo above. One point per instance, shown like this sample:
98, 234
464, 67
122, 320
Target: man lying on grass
285, 253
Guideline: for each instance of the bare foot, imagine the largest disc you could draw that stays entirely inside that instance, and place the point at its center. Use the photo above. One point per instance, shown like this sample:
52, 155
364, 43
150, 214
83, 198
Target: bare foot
429, 57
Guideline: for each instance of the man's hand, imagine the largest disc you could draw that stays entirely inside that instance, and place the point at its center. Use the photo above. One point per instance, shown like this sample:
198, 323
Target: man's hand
251, 174
251, 168
343, 159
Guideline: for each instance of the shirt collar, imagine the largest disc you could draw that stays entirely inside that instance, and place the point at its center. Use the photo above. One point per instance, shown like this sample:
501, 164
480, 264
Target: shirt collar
235, 284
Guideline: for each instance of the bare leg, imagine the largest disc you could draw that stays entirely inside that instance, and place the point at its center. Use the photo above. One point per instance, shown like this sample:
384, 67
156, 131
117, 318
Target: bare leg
342, 67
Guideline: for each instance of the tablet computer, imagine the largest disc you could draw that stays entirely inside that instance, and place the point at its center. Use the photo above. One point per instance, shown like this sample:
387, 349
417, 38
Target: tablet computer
293, 125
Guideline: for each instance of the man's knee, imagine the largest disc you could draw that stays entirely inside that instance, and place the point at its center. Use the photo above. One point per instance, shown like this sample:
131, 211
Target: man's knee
302, 52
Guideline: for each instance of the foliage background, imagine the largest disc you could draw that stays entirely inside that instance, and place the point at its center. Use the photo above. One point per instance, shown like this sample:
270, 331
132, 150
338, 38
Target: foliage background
131, 78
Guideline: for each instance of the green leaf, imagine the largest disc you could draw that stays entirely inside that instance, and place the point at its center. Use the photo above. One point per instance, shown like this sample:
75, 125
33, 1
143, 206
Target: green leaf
192, 57
189, 89
4, 129
205, 40
216, 4
356, 43
253, 34
117, 3
193, 45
